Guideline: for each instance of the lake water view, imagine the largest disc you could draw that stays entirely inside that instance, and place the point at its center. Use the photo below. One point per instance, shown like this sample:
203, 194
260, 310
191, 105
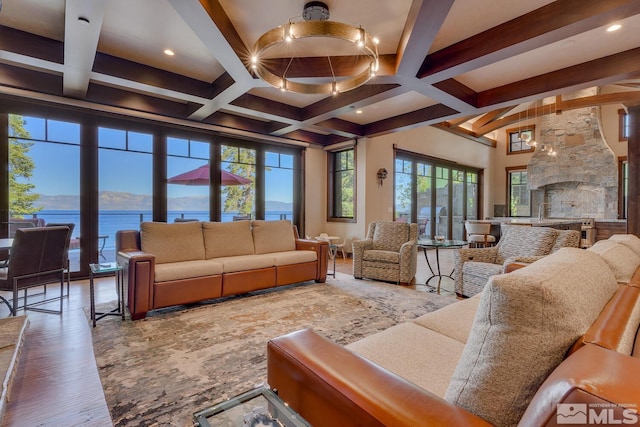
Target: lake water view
111, 221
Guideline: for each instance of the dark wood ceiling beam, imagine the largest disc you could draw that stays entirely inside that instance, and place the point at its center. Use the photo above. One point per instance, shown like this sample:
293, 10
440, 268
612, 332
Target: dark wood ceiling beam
135, 72
27, 79
344, 127
457, 121
459, 91
600, 71
421, 27
465, 133
31, 45
267, 109
560, 105
489, 117
556, 21
424, 116
315, 138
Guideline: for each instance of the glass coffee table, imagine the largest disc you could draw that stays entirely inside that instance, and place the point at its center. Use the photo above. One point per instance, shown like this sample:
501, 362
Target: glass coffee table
257, 407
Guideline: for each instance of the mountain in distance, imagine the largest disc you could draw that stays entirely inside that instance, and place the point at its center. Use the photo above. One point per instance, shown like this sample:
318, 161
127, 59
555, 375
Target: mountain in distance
121, 201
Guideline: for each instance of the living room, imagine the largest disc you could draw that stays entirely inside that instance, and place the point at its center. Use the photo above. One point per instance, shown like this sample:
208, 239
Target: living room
460, 117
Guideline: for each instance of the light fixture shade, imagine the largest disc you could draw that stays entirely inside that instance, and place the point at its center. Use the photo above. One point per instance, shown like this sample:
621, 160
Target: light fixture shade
307, 29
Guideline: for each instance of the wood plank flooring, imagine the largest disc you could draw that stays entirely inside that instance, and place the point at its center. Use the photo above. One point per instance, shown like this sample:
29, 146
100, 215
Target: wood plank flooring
57, 381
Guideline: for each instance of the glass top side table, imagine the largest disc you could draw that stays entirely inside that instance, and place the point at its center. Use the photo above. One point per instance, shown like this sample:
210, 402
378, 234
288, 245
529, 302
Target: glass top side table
437, 245
103, 268
259, 406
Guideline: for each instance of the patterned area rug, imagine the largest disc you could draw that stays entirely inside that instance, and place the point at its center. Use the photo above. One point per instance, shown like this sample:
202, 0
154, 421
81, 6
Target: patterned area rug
161, 370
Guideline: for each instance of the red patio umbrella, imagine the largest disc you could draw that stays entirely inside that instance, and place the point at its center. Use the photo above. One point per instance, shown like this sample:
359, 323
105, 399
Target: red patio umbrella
200, 176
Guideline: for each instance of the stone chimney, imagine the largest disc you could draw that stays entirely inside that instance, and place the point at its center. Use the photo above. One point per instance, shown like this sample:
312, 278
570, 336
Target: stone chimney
581, 180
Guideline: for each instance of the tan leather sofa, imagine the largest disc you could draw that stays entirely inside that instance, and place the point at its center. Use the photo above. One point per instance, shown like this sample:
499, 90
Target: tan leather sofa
172, 264
560, 330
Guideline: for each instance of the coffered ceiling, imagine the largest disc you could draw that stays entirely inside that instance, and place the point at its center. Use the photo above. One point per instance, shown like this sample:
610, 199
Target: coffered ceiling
463, 65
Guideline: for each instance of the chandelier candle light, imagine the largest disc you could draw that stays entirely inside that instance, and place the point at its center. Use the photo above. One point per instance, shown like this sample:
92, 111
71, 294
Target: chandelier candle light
316, 24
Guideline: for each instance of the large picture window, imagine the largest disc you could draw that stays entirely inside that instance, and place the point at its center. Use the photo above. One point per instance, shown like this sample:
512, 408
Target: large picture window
519, 196
342, 185
435, 194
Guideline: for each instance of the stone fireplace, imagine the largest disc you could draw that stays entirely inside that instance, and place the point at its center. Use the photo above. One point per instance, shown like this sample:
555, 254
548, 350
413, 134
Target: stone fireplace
581, 180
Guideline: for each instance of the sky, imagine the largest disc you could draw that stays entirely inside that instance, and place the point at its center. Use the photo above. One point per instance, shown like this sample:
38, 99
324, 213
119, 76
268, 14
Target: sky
57, 165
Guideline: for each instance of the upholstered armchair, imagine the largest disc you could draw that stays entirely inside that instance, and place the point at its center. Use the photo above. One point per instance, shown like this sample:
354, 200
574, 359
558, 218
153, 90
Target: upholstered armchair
474, 266
389, 253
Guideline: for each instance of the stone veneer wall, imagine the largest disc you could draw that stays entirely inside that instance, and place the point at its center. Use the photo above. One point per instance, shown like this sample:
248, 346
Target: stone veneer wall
582, 179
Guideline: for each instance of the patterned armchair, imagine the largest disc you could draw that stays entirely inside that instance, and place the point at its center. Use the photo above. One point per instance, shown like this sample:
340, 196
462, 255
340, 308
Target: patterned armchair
389, 253
518, 243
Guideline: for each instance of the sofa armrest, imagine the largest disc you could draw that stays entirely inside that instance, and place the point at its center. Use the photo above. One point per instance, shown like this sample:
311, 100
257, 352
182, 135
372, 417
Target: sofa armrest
322, 252
592, 375
358, 248
139, 275
328, 386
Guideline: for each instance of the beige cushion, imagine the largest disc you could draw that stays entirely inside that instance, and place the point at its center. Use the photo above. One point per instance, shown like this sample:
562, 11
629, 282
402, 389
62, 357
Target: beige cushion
622, 260
294, 257
526, 322
273, 236
223, 239
186, 270
420, 355
454, 320
522, 240
172, 242
630, 240
246, 262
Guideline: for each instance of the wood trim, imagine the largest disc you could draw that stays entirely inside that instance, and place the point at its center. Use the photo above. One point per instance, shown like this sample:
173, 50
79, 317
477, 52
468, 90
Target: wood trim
522, 128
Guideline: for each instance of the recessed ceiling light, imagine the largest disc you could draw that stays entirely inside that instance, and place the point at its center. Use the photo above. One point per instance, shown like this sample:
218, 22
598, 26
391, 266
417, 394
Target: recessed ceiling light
358, 111
168, 52
614, 27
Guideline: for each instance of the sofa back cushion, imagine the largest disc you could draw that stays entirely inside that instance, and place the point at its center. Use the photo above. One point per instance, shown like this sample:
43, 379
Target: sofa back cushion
566, 239
522, 241
172, 242
630, 240
273, 236
622, 261
227, 239
389, 236
526, 322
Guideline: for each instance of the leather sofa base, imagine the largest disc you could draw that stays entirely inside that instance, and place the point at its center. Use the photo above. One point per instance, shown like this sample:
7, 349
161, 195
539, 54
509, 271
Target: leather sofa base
186, 291
296, 273
247, 281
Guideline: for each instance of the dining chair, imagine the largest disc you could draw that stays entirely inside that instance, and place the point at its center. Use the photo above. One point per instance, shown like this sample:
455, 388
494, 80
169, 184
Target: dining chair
70, 226
340, 247
479, 234
38, 257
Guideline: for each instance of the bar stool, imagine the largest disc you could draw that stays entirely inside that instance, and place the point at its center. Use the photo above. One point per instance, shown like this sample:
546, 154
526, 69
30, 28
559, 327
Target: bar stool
479, 234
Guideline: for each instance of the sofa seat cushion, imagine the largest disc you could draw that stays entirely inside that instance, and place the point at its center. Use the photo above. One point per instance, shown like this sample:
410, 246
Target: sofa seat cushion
238, 263
521, 240
186, 270
526, 322
454, 320
294, 257
223, 239
417, 354
621, 259
273, 236
376, 255
172, 242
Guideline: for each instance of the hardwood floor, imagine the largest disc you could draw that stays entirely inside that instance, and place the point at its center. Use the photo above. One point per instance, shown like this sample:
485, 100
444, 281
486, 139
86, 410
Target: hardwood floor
57, 381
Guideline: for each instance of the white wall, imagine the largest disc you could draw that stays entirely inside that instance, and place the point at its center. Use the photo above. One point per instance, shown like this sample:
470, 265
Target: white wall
376, 202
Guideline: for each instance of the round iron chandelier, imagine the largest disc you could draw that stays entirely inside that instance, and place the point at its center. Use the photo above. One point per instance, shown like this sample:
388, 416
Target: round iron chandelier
315, 25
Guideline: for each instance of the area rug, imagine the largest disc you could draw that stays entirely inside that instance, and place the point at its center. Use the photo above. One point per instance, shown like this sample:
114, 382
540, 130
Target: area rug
161, 370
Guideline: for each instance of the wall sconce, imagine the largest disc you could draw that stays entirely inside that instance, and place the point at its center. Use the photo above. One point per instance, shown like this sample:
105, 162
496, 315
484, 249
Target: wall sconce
382, 175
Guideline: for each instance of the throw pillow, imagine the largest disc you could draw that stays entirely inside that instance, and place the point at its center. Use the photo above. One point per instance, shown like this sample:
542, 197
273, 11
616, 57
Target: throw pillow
526, 322
630, 240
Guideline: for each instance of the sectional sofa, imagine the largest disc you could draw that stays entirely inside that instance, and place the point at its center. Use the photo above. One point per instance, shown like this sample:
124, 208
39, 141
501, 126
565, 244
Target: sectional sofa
172, 264
563, 329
